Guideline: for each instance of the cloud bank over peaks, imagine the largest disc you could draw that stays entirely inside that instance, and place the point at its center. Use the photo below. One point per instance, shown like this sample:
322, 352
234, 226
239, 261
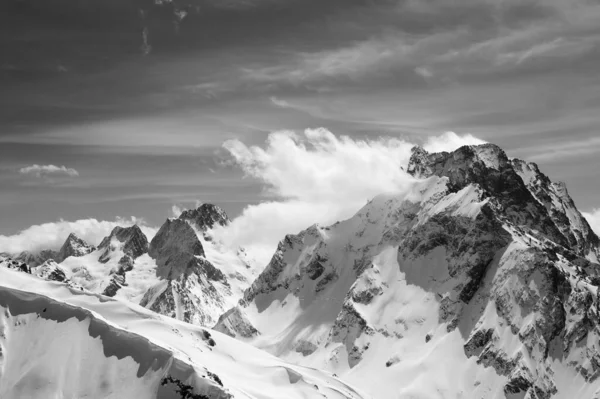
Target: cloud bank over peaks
318, 177
52, 235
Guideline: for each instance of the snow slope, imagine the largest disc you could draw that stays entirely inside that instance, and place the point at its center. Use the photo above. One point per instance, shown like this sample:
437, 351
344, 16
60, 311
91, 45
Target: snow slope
98, 347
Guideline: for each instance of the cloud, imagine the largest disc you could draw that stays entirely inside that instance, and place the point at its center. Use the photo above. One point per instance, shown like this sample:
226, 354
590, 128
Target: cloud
176, 210
559, 150
41, 171
52, 235
318, 177
593, 219
450, 141
279, 103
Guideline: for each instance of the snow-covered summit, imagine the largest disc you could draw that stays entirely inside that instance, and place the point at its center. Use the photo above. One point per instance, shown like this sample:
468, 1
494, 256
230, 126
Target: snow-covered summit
470, 275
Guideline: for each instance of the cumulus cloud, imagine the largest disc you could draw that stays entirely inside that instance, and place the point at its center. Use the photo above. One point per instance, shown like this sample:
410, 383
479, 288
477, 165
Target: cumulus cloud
593, 219
52, 235
48, 170
318, 177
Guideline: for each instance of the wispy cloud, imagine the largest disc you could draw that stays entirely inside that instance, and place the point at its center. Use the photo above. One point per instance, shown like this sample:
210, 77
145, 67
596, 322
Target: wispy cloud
42, 171
561, 149
279, 103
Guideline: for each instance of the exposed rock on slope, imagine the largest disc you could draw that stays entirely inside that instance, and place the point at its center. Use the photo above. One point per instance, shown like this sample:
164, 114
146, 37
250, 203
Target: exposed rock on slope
130, 241
73, 246
35, 259
57, 344
191, 288
50, 270
485, 263
205, 217
10, 263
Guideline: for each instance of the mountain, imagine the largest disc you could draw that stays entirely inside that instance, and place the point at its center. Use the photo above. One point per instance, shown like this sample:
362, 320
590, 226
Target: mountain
190, 287
35, 259
73, 246
123, 241
481, 281
57, 343
205, 217
182, 273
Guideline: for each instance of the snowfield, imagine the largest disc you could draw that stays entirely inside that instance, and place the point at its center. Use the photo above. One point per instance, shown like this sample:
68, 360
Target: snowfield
97, 347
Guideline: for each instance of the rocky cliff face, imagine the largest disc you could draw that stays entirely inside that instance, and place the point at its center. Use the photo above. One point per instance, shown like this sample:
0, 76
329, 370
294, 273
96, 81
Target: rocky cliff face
205, 217
130, 241
73, 246
485, 258
190, 288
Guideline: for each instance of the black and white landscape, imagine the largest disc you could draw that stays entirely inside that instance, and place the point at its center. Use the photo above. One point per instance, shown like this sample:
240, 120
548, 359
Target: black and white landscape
260, 199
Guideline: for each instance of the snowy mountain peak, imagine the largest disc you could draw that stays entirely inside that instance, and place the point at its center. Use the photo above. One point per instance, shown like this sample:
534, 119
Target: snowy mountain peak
524, 195
36, 259
130, 241
205, 217
485, 263
73, 246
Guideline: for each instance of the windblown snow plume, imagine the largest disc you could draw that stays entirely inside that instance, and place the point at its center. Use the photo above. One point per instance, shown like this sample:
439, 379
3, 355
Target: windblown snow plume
320, 177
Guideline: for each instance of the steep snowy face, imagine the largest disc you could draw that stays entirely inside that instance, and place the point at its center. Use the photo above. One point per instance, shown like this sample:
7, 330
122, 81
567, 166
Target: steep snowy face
130, 241
190, 288
205, 217
97, 347
73, 246
467, 276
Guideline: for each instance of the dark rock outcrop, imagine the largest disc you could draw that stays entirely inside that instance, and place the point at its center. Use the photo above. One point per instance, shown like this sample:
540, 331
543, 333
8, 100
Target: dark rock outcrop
205, 217
73, 246
130, 240
188, 290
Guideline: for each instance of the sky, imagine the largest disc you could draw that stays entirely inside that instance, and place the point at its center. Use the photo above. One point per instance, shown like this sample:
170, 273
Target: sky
123, 108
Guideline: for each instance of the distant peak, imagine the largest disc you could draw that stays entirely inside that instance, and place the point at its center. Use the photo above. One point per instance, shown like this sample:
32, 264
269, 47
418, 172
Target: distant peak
206, 216
133, 242
73, 246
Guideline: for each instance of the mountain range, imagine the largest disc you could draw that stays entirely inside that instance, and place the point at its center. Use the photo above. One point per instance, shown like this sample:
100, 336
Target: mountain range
480, 281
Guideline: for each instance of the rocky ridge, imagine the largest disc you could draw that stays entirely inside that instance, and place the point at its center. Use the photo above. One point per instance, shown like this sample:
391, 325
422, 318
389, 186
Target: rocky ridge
485, 252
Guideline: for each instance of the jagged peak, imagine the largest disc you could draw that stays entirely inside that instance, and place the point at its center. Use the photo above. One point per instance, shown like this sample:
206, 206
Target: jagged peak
122, 234
133, 242
206, 216
175, 247
73, 246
